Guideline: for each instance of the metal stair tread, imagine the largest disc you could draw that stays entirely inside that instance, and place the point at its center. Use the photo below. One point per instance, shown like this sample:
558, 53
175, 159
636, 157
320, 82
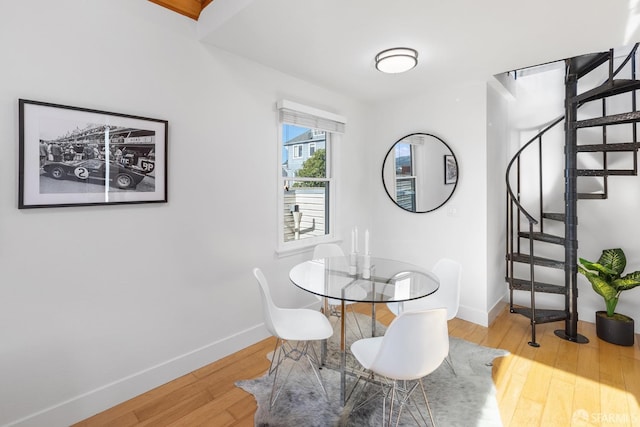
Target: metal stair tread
542, 315
541, 261
543, 237
631, 117
591, 196
608, 172
620, 146
525, 285
610, 88
554, 216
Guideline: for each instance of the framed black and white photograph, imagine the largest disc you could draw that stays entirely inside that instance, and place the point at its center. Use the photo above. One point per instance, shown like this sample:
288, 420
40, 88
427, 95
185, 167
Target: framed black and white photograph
71, 156
450, 169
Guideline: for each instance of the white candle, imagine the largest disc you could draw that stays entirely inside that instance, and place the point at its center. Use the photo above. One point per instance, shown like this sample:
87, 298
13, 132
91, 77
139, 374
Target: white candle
353, 240
366, 242
356, 234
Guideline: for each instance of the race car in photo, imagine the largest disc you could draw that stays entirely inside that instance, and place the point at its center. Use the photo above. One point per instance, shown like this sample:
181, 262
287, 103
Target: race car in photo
95, 170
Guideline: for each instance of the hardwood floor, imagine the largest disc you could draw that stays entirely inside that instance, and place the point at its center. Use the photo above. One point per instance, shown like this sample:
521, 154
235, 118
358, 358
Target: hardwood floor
558, 384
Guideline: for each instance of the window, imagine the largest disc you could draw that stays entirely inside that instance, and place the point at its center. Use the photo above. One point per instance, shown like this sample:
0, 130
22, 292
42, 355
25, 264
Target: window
405, 177
306, 180
297, 151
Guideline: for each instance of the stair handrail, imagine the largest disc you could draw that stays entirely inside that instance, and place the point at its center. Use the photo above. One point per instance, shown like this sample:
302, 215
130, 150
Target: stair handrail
626, 60
512, 196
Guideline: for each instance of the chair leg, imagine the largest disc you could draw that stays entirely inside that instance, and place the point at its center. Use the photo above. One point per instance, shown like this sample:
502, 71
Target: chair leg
314, 362
353, 402
335, 313
405, 400
355, 317
287, 351
281, 355
449, 361
426, 401
276, 355
393, 395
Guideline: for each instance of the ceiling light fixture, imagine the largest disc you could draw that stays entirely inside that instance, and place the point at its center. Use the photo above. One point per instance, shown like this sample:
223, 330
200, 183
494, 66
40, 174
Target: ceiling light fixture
396, 60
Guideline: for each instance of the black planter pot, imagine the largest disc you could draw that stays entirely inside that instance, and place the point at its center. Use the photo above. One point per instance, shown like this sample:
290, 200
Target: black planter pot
618, 329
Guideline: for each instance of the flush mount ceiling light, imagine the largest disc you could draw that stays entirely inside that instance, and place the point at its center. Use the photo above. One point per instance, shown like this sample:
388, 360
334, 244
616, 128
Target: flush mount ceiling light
396, 60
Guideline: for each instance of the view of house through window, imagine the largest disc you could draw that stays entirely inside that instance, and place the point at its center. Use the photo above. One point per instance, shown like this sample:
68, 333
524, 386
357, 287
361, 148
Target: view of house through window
305, 182
405, 177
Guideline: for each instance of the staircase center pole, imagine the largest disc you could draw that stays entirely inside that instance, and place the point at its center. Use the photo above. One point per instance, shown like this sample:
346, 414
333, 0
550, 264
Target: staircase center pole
570, 333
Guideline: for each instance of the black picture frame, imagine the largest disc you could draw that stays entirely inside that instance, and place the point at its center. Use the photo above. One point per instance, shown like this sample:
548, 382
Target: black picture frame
450, 169
72, 156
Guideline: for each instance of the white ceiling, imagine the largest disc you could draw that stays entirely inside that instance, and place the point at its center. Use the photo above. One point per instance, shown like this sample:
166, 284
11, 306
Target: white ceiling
332, 43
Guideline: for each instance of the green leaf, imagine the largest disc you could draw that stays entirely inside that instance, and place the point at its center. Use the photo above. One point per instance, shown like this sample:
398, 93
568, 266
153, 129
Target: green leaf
627, 282
614, 260
594, 266
600, 285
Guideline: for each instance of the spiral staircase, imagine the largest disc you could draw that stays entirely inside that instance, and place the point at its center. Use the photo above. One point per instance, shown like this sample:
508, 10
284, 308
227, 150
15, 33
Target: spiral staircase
539, 240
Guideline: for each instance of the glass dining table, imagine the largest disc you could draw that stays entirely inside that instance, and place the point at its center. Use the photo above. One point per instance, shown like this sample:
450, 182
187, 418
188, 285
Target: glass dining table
373, 280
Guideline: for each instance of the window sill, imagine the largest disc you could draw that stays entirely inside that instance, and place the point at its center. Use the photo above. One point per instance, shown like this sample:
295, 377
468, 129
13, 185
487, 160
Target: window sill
287, 251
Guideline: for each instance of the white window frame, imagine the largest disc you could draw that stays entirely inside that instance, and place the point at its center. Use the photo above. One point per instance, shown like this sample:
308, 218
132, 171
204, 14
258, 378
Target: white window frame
312, 148
297, 151
333, 126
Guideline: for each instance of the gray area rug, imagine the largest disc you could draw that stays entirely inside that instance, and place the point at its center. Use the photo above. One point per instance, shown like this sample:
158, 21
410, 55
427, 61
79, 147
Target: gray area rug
466, 398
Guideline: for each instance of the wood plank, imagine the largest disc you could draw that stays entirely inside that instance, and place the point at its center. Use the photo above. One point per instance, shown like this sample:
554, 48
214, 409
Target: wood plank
197, 391
558, 406
631, 373
252, 351
116, 418
586, 398
527, 413
125, 410
508, 395
190, 8
612, 395
244, 408
214, 412
179, 409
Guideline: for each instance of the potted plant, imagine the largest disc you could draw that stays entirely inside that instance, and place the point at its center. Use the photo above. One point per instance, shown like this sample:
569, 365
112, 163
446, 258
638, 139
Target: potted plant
606, 279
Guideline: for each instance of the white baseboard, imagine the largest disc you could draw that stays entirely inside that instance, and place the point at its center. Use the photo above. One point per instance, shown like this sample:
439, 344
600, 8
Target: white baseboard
473, 315
95, 401
480, 317
497, 308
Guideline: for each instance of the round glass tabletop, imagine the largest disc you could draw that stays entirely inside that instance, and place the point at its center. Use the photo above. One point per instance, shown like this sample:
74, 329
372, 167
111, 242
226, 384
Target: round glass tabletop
340, 278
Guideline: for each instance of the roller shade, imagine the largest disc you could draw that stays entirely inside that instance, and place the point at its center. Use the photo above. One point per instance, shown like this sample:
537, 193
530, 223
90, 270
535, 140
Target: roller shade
304, 116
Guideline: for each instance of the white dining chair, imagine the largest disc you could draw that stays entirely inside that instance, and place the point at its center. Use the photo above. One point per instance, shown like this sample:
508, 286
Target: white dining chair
326, 250
414, 345
295, 329
448, 273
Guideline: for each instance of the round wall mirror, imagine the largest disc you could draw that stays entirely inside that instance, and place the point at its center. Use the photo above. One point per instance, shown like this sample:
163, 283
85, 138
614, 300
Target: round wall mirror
420, 172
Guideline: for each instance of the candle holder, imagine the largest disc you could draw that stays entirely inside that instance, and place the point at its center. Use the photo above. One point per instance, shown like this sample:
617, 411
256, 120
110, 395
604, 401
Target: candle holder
366, 267
353, 263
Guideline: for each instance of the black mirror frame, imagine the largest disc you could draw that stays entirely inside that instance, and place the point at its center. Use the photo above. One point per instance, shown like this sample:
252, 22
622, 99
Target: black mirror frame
455, 185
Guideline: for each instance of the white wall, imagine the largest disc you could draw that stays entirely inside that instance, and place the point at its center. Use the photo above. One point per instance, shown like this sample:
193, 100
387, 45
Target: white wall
498, 138
98, 304
457, 230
